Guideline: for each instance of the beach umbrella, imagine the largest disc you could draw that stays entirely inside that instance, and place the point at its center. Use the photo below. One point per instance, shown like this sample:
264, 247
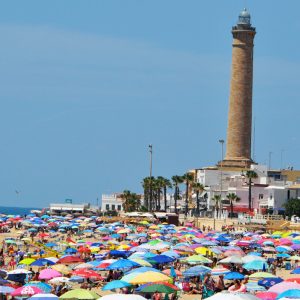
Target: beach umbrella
174, 254
115, 284
122, 297
26, 261
266, 295
49, 274
198, 259
219, 271
283, 255
196, 271
149, 276
293, 279
232, 296
253, 286
46, 288
87, 274
84, 266
58, 280
3, 281
161, 287
296, 271
161, 259
250, 258
256, 265
123, 264
268, 282
61, 268
234, 275
290, 294
77, 279
70, 260
42, 262
231, 260
26, 291
6, 289
141, 262
262, 275
284, 286
79, 294
43, 296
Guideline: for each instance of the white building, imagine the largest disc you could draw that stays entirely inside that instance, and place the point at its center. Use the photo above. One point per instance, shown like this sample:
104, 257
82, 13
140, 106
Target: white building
111, 202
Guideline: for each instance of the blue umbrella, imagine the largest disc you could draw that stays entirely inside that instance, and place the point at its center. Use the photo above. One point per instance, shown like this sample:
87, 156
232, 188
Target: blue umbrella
255, 265
171, 254
253, 286
296, 271
284, 255
50, 245
78, 279
6, 289
70, 250
123, 264
234, 275
172, 272
268, 282
255, 253
46, 288
293, 294
119, 253
196, 271
161, 259
42, 262
115, 284
43, 297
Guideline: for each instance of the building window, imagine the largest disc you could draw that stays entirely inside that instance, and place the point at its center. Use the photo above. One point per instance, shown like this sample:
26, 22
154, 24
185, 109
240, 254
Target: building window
119, 207
261, 196
113, 207
107, 207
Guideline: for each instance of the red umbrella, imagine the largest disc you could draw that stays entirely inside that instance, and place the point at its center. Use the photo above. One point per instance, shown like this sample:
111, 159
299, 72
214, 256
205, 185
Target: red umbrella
87, 274
69, 260
293, 279
26, 291
43, 234
266, 295
84, 250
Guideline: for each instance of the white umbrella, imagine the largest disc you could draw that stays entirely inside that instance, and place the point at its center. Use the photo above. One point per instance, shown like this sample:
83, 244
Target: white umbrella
59, 280
232, 296
124, 297
19, 271
231, 260
84, 266
249, 258
43, 296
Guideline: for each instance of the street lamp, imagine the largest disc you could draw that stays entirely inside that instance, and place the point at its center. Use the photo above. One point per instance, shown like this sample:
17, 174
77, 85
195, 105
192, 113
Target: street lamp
150, 151
221, 165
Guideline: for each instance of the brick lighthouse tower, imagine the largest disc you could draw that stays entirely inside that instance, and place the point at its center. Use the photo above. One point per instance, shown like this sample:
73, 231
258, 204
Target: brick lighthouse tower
238, 148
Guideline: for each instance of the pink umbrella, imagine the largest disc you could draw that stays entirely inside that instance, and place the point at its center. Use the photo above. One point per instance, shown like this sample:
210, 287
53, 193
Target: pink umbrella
49, 274
26, 291
266, 295
284, 286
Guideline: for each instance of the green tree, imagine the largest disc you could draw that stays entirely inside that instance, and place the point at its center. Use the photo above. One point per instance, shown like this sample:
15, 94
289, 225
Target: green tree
292, 207
146, 186
250, 174
177, 180
233, 198
198, 188
131, 201
166, 184
188, 178
217, 199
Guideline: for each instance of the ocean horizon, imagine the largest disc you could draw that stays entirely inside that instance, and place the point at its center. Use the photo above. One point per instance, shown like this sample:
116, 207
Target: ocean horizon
10, 210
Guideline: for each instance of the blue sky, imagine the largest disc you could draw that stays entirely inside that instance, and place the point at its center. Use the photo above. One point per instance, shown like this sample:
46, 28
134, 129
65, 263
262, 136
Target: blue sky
85, 86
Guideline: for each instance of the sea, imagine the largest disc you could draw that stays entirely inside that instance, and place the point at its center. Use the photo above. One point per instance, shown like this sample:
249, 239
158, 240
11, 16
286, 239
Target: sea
16, 210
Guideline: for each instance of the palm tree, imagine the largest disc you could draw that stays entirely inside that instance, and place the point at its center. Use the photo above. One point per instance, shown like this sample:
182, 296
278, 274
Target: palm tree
159, 186
250, 175
198, 188
146, 186
217, 199
131, 201
232, 199
166, 184
188, 178
177, 180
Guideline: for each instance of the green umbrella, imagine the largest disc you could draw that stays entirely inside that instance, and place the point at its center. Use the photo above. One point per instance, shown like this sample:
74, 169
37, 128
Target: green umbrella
80, 294
162, 287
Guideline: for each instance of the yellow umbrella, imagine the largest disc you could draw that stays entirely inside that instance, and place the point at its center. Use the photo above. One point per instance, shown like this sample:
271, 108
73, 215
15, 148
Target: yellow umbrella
141, 262
262, 275
154, 227
26, 239
61, 268
122, 247
144, 222
26, 261
124, 231
149, 277
203, 251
